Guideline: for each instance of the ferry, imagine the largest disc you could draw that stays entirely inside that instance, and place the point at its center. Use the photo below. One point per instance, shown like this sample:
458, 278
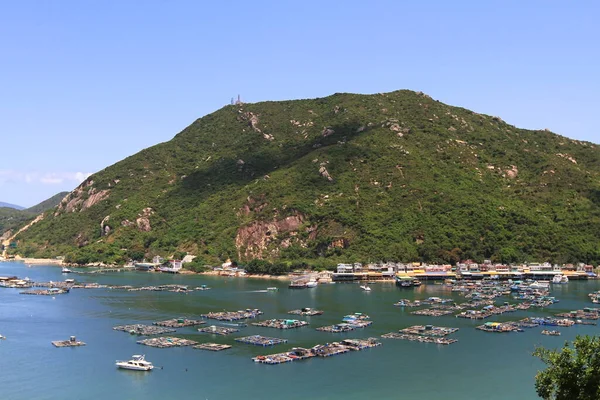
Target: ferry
137, 363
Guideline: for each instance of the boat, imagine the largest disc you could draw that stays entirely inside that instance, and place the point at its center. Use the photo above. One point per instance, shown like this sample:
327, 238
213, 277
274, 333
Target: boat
560, 279
143, 266
539, 285
416, 282
550, 333
312, 283
272, 289
365, 288
137, 363
66, 270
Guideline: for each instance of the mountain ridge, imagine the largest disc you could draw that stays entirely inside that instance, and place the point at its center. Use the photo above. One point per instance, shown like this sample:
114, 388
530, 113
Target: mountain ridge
391, 176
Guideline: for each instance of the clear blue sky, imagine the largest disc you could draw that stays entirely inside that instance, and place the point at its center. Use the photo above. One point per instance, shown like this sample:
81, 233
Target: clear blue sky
84, 84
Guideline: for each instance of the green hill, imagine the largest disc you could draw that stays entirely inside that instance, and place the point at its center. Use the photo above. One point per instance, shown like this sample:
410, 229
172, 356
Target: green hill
11, 218
394, 176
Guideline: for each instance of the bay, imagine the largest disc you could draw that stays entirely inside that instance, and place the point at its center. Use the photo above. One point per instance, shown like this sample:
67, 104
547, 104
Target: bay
480, 365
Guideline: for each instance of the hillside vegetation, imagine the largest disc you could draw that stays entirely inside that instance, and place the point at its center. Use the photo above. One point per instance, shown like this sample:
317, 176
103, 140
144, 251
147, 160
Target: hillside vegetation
394, 176
11, 218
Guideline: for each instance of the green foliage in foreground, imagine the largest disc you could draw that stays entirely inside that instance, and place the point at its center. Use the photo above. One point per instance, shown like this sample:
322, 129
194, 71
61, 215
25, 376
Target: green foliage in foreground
411, 179
573, 373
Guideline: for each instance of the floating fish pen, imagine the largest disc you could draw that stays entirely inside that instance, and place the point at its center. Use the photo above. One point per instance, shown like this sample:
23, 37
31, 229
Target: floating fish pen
448, 307
46, 292
164, 342
59, 285
91, 285
179, 323
218, 330
212, 346
143, 330
497, 327
408, 303
296, 354
580, 314
419, 338
474, 314
203, 287
306, 311
72, 342
233, 315
361, 344
432, 312
428, 330
477, 303
258, 340
161, 288
338, 328
330, 349
549, 321
281, 323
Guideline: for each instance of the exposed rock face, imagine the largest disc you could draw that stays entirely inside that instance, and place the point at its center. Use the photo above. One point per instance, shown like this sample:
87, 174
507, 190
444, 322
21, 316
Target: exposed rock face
512, 172
74, 201
252, 241
327, 132
104, 228
324, 173
143, 222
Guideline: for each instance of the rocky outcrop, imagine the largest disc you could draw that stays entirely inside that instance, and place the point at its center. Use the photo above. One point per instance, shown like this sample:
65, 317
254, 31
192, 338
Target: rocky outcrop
252, 241
143, 221
104, 228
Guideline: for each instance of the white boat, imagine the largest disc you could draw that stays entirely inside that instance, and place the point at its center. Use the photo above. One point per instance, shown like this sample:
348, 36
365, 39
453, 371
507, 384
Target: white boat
66, 270
560, 279
137, 363
312, 283
365, 288
539, 285
272, 289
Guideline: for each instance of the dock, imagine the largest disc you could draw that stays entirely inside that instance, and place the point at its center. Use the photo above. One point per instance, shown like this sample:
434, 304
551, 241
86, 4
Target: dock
281, 323
212, 346
164, 342
258, 340
143, 330
72, 342
179, 323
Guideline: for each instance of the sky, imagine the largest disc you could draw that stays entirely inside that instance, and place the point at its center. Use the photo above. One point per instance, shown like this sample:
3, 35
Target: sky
84, 84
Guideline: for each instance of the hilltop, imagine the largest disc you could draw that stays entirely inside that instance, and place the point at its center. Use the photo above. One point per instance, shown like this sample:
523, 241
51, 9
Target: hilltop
8, 205
392, 176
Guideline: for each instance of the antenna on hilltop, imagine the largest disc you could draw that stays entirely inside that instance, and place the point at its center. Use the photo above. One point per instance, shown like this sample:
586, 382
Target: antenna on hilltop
239, 100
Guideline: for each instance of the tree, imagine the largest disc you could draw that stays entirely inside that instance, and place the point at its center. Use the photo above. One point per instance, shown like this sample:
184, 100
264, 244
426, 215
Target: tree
573, 373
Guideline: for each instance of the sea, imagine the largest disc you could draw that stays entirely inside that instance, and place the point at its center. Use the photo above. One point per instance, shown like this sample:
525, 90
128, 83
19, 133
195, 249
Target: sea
479, 366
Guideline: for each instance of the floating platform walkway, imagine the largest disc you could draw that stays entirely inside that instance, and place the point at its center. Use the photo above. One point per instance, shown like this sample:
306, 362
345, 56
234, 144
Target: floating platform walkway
46, 292
164, 342
218, 330
281, 323
258, 340
72, 342
233, 315
212, 346
143, 330
309, 312
428, 330
320, 350
179, 323
419, 338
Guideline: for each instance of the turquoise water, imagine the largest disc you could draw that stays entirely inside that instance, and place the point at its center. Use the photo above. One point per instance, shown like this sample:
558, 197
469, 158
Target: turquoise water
480, 365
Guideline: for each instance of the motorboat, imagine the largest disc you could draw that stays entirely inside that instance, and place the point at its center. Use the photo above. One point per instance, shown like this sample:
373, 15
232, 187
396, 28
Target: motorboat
137, 363
560, 279
365, 288
550, 333
539, 285
312, 283
66, 270
272, 289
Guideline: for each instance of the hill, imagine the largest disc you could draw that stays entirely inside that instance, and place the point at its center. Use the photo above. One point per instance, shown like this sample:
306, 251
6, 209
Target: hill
394, 176
11, 218
47, 204
8, 205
